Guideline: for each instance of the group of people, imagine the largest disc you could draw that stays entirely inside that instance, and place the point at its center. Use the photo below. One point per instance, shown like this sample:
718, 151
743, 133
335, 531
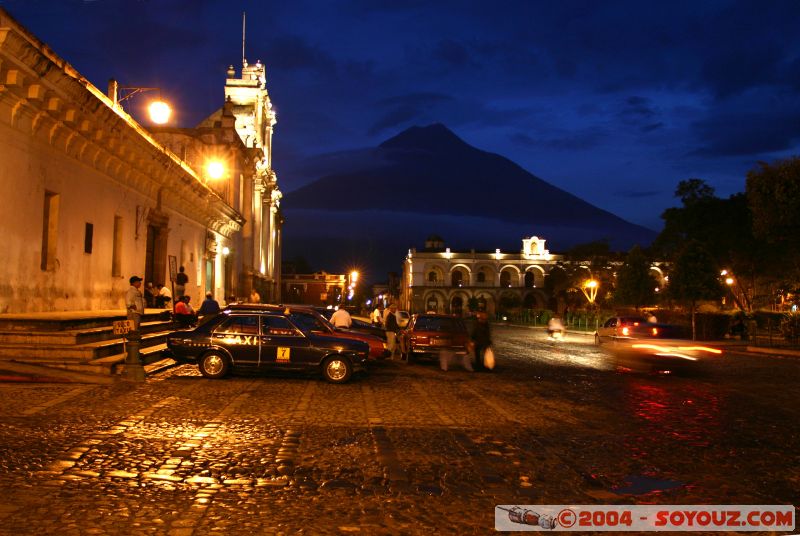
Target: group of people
160, 296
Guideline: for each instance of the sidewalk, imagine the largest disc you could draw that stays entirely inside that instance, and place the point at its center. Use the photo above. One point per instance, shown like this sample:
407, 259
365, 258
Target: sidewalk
13, 372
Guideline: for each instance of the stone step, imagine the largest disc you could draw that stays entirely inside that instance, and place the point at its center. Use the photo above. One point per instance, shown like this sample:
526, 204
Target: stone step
74, 337
72, 320
113, 364
75, 353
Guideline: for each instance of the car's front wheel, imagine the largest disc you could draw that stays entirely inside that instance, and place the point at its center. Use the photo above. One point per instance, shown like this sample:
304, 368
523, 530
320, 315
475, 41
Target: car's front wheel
214, 365
337, 369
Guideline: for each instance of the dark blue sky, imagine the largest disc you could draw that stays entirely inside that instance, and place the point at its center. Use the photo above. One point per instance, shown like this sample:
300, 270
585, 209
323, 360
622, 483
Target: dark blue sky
613, 101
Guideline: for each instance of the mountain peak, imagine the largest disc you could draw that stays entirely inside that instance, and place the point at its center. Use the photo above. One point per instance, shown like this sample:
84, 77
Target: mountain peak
435, 137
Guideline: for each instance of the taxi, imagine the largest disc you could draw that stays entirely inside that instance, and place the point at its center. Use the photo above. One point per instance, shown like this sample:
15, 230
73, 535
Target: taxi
264, 339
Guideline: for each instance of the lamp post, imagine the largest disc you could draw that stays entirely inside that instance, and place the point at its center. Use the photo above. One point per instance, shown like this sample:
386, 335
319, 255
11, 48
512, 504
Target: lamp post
589, 289
158, 110
351, 289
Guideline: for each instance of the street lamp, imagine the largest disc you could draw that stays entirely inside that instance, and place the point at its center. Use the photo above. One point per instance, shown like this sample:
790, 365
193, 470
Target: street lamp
589, 289
158, 110
215, 169
352, 287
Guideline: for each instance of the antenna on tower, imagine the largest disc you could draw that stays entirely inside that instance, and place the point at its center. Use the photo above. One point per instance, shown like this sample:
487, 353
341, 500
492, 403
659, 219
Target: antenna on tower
244, 14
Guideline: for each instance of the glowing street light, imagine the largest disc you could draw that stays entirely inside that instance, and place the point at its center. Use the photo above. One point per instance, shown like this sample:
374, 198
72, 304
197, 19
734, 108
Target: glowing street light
729, 281
590, 289
353, 276
215, 169
159, 111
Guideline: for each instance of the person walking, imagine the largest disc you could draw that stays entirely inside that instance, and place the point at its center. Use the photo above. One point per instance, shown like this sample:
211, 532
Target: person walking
209, 306
134, 302
181, 279
341, 318
391, 327
481, 339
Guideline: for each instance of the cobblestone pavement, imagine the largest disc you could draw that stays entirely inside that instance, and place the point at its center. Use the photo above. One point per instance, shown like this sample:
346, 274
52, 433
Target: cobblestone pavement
406, 449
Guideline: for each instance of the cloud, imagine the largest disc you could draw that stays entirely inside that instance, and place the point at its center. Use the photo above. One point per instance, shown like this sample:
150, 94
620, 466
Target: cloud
752, 125
571, 141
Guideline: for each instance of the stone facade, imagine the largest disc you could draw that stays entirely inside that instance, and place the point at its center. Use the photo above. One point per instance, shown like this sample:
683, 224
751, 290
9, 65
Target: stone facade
316, 289
90, 197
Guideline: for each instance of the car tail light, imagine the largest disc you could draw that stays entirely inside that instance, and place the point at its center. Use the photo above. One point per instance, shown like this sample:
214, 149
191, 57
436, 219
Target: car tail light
626, 331
655, 332
419, 339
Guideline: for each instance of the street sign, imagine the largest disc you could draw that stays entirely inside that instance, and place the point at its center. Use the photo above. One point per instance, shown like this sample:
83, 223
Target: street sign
173, 267
122, 327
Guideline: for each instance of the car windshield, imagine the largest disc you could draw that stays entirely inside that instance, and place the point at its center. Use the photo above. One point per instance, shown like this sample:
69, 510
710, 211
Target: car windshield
308, 322
438, 323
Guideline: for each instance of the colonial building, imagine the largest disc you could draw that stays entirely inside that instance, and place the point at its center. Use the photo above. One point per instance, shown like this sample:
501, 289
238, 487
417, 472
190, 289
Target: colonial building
233, 150
443, 280
318, 289
90, 197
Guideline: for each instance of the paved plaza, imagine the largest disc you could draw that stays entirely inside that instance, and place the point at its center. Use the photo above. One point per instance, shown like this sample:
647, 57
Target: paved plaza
405, 449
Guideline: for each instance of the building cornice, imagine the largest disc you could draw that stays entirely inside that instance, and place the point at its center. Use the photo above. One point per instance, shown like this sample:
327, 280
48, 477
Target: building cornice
45, 97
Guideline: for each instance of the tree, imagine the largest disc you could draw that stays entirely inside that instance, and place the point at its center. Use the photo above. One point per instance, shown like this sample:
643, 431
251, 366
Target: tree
773, 195
635, 284
723, 226
694, 277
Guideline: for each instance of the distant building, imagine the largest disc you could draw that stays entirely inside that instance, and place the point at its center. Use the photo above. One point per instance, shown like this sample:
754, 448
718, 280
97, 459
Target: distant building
317, 289
90, 197
444, 280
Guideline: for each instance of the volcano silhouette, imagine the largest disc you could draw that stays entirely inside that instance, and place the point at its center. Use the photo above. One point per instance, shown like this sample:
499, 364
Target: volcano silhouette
380, 202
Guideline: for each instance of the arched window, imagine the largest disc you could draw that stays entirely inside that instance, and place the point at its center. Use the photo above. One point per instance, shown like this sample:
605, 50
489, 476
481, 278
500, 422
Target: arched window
432, 277
529, 280
457, 306
505, 278
457, 278
481, 277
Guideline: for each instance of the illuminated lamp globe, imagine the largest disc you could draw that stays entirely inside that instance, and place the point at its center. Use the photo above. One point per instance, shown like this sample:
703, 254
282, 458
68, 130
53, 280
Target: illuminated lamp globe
159, 112
215, 170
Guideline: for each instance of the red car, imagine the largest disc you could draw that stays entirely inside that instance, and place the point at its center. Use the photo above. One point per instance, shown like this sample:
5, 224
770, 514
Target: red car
311, 320
429, 335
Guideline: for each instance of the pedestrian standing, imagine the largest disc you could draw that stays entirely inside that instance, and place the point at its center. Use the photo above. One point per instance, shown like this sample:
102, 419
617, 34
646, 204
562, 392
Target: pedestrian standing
391, 327
377, 315
341, 318
181, 279
134, 302
255, 297
481, 339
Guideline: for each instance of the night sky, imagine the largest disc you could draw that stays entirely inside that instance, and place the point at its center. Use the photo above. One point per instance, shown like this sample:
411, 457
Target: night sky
613, 101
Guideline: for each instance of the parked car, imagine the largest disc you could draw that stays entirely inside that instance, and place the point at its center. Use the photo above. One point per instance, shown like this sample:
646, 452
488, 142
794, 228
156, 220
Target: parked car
367, 328
253, 337
311, 320
429, 335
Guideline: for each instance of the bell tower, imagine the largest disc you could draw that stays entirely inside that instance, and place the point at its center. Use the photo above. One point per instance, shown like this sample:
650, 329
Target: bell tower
251, 107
